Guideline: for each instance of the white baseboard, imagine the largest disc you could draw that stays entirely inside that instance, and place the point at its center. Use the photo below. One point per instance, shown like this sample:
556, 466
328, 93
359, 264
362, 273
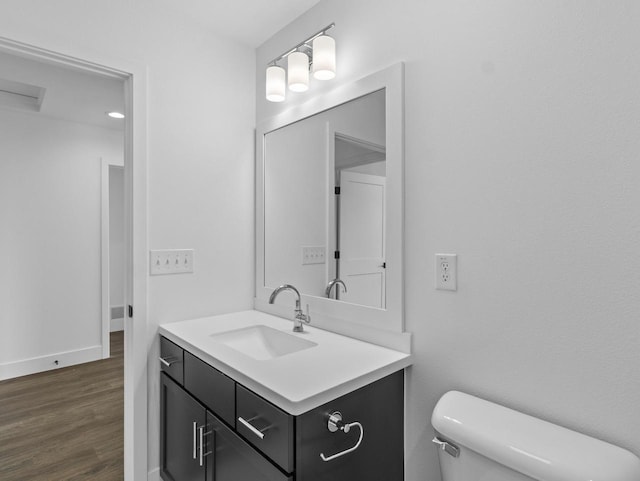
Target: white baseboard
154, 475
25, 367
117, 325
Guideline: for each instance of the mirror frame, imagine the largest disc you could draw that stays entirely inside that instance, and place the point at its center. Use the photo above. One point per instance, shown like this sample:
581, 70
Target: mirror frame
325, 312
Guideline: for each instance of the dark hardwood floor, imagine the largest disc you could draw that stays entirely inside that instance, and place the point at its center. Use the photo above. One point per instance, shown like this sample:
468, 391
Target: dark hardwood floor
65, 425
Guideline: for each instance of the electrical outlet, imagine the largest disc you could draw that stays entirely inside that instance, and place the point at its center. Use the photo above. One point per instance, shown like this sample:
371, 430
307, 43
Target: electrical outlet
313, 255
446, 272
174, 261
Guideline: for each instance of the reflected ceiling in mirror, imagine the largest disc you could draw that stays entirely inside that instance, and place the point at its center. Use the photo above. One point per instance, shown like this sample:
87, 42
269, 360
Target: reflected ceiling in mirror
325, 203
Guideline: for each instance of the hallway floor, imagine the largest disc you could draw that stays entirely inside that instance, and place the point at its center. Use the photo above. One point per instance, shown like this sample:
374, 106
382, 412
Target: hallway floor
65, 425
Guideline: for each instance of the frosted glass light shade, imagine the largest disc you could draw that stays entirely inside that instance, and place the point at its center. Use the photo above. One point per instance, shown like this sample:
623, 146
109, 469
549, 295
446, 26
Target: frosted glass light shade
324, 57
298, 70
275, 84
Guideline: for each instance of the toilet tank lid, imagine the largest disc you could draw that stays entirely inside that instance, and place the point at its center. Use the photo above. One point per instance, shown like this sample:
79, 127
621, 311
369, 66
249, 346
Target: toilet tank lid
529, 445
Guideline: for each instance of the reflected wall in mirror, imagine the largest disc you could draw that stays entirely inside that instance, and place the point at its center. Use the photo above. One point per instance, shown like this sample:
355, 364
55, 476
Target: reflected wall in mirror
325, 203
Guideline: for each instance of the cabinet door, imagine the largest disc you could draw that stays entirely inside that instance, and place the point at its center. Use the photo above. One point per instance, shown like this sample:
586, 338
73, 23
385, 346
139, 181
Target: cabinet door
379, 408
181, 417
235, 460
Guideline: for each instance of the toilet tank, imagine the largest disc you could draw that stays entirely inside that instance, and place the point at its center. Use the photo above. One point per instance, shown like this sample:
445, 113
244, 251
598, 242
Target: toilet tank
495, 443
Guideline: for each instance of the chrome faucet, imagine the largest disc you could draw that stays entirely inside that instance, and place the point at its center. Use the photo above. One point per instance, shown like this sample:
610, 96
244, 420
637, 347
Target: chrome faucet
327, 291
300, 316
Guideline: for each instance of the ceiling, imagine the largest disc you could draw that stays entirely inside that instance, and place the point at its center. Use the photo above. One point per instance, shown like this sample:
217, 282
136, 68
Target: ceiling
79, 96
250, 22
68, 93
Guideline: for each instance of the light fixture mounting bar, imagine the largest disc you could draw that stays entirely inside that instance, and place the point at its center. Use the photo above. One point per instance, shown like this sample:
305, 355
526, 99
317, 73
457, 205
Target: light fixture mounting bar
306, 42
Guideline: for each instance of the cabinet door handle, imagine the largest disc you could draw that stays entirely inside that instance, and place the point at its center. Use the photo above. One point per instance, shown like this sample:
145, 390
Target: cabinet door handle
195, 429
202, 453
251, 428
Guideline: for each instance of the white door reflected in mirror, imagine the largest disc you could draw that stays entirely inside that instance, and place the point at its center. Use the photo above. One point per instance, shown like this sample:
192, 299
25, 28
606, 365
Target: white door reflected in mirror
361, 264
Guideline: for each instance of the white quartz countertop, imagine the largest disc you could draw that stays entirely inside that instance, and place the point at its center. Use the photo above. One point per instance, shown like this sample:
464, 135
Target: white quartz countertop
295, 382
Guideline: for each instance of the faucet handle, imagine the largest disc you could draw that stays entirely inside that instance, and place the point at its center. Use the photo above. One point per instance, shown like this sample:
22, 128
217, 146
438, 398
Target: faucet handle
301, 317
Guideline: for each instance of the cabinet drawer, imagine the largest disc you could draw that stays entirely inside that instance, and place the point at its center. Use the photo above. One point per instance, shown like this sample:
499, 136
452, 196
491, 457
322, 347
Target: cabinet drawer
210, 387
171, 359
266, 427
236, 460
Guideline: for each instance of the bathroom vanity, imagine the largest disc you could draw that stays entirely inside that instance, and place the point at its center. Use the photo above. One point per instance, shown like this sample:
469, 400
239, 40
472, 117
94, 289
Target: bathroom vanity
233, 411
243, 398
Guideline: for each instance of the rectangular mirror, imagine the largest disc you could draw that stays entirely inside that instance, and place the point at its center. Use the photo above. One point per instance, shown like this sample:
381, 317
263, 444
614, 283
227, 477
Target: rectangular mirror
330, 201
328, 247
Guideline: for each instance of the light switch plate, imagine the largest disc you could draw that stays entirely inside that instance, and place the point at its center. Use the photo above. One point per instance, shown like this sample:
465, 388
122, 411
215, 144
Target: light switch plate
447, 272
313, 255
170, 261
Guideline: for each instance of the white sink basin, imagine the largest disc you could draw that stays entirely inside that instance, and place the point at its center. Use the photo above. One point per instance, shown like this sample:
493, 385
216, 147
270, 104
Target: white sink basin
262, 342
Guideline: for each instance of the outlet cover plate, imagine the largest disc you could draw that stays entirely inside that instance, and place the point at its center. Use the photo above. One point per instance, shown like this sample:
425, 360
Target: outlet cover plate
447, 272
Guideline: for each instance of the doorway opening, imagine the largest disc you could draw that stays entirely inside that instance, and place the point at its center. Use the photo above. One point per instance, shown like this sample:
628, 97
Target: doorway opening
132, 350
360, 220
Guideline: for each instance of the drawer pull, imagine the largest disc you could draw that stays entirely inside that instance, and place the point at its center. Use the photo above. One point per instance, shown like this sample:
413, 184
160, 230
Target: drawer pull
168, 361
334, 424
251, 428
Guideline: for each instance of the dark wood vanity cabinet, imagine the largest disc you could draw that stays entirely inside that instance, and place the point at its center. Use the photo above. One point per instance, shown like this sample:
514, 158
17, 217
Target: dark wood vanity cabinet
214, 429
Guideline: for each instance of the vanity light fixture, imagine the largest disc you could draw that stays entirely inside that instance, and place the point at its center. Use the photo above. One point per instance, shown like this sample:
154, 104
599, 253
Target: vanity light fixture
298, 68
324, 57
317, 53
275, 84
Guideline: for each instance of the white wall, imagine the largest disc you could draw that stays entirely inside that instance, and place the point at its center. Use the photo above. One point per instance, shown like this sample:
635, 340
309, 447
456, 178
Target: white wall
522, 157
50, 242
201, 114
116, 237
